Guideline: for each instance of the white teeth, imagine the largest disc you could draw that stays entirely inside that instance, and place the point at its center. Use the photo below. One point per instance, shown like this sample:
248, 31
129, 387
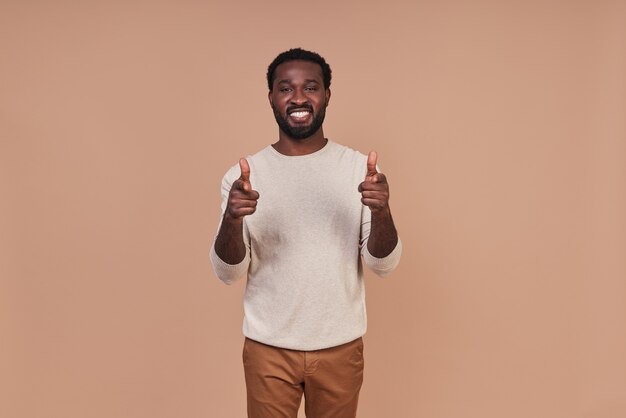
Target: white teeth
299, 114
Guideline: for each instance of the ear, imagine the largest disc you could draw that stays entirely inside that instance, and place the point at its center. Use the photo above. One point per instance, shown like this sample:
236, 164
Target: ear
327, 96
269, 98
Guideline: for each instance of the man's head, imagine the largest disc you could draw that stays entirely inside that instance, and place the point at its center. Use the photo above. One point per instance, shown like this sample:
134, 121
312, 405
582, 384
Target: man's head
299, 82
299, 54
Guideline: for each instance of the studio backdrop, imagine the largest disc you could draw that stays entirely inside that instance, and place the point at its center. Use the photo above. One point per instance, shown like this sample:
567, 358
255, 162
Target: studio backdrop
499, 124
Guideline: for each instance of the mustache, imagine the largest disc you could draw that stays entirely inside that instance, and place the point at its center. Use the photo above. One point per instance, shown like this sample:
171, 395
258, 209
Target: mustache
300, 107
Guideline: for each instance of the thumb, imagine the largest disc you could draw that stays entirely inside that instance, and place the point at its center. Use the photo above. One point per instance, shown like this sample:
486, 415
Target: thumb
245, 174
371, 165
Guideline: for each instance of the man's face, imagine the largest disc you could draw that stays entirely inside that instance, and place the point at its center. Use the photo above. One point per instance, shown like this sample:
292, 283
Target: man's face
298, 98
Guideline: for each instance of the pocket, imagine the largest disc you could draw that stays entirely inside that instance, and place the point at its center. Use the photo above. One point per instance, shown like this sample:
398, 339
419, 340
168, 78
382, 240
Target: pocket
357, 354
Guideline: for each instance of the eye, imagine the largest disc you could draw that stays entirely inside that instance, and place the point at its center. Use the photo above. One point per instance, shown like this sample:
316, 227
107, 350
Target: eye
311, 88
285, 90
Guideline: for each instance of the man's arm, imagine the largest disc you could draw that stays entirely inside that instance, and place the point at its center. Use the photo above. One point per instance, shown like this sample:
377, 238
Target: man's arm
242, 200
229, 245
229, 248
383, 237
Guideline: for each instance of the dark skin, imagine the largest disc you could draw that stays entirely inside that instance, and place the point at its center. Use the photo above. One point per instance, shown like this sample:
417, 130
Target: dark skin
375, 195
299, 85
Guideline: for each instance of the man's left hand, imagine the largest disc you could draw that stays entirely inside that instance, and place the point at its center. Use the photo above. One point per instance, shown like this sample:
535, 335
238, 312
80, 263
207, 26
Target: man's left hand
375, 190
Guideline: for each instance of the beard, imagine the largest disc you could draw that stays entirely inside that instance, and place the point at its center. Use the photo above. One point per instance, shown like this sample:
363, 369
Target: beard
300, 132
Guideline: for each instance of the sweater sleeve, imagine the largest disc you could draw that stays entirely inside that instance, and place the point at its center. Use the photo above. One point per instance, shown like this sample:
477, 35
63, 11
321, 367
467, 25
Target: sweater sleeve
229, 273
381, 266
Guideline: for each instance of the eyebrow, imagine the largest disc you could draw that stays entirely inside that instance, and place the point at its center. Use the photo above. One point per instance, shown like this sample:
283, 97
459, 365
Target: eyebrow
288, 81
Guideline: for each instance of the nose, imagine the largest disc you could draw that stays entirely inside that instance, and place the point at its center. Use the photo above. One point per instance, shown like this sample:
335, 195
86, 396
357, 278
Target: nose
298, 97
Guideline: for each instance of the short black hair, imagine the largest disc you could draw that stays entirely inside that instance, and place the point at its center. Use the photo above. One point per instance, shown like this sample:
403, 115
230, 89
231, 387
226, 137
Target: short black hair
299, 54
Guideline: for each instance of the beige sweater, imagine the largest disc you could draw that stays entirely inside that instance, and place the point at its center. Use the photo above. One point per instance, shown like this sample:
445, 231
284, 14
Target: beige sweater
304, 246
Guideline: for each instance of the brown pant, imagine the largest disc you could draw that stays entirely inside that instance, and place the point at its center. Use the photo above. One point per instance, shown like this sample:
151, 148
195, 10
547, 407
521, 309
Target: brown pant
276, 378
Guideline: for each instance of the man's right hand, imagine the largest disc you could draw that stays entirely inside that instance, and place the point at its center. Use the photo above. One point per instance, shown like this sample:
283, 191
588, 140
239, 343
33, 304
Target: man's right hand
242, 200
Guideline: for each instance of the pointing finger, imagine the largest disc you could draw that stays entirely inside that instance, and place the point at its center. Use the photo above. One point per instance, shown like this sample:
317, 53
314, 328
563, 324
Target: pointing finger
245, 169
245, 174
371, 163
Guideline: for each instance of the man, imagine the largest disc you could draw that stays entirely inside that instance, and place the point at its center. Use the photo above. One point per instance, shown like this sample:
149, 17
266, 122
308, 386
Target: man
298, 216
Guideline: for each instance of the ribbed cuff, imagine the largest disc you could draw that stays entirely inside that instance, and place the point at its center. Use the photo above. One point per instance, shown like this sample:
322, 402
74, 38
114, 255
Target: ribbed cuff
385, 265
228, 273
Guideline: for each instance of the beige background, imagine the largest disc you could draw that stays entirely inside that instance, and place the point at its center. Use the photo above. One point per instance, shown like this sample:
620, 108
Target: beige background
501, 126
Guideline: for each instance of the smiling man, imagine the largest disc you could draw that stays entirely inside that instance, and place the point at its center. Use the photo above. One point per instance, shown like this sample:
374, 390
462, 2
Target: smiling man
299, 218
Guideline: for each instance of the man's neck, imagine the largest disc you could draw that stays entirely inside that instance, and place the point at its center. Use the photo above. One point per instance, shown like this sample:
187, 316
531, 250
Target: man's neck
293, 147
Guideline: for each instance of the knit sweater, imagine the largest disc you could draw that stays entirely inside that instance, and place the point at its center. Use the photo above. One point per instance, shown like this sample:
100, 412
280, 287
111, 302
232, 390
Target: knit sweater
304, 246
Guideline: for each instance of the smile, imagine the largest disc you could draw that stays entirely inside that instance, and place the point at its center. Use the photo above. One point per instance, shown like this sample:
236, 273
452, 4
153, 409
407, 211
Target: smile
300, 115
